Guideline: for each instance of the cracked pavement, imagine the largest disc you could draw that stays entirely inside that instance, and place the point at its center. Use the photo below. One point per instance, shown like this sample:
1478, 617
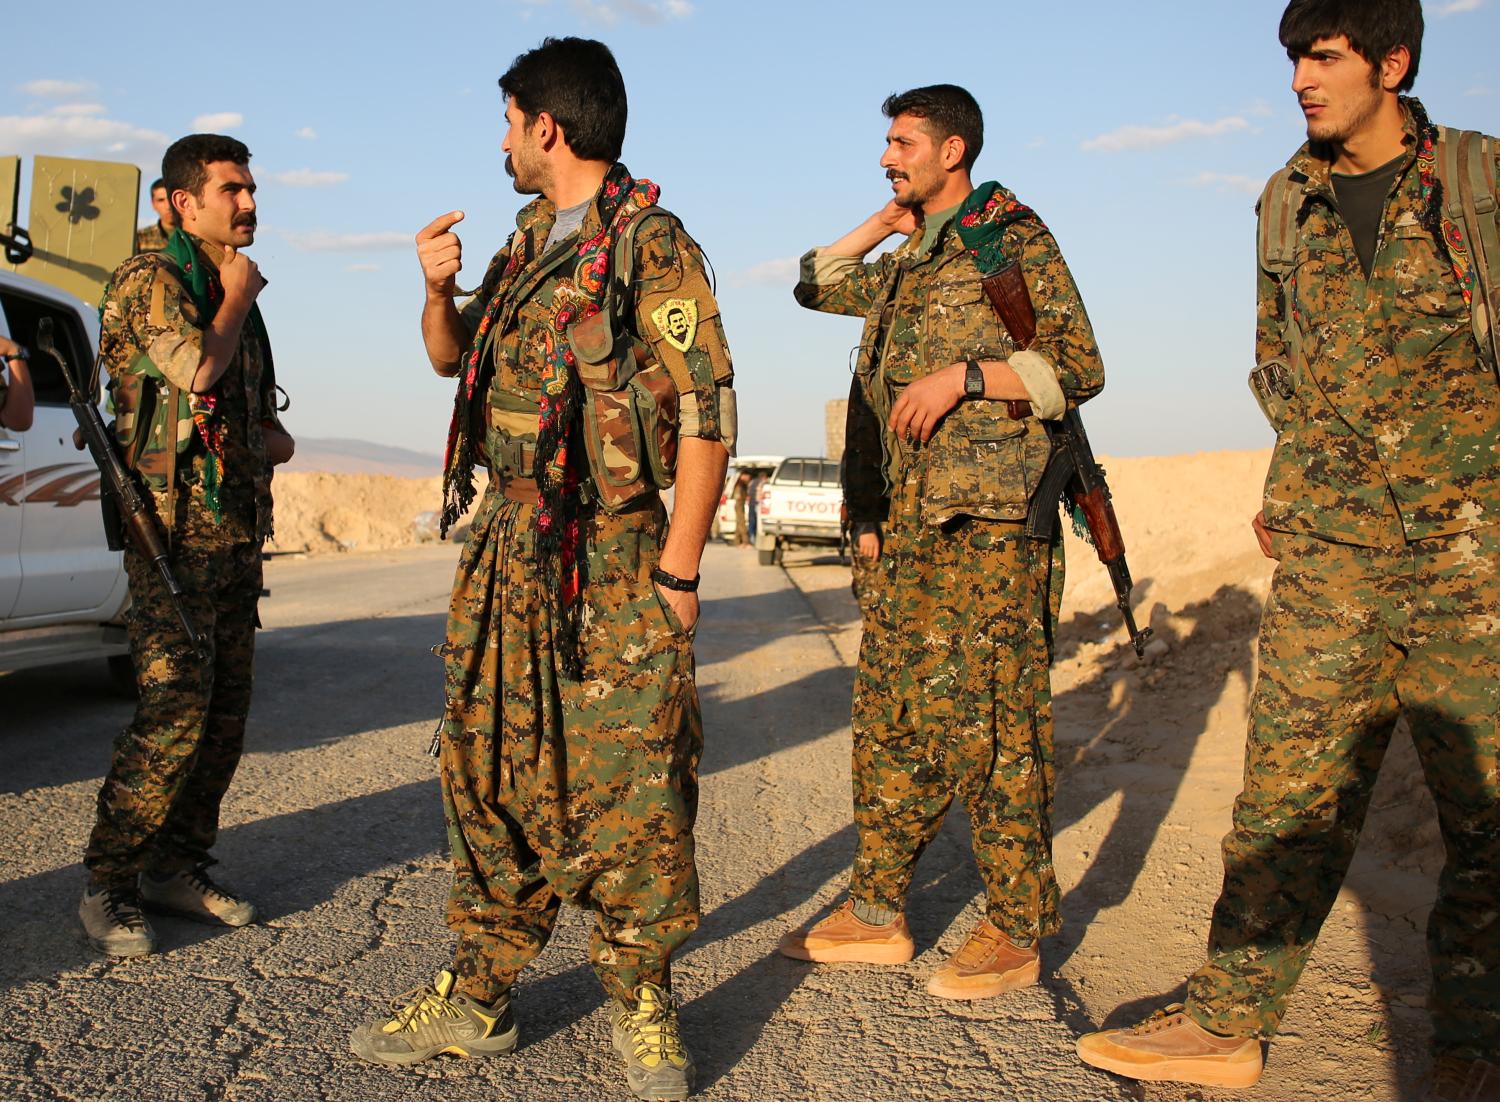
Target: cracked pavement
334, 829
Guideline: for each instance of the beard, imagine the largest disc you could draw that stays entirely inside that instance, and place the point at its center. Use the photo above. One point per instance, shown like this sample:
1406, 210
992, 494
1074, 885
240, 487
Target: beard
525, 182
916, 195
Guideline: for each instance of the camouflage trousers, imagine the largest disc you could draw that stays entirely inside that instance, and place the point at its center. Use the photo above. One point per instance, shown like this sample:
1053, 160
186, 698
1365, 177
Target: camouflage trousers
864, 579
952, 697
1354, 637
557, 790
159, 806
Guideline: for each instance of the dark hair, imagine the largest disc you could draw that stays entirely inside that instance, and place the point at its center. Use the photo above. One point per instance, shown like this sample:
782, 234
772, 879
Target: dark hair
159, 183
184, 166
1373, 27
576, 81
948, 110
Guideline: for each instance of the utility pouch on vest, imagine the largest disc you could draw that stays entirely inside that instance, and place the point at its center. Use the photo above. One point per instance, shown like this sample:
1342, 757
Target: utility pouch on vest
511, 445
1275, 390
982, 464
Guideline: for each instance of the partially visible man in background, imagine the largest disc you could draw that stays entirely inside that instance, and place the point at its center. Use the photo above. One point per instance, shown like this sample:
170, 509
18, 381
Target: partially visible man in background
153, 238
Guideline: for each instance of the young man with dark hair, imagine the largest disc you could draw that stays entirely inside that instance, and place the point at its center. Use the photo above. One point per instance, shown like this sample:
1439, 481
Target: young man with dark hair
190, 370
952, 696
569, 742
153, 238
1382, 508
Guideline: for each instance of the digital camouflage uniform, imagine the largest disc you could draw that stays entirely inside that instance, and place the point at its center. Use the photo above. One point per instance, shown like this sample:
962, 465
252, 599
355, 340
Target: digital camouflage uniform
158, 809
1384, 495
952, 692
560, 790
152, 238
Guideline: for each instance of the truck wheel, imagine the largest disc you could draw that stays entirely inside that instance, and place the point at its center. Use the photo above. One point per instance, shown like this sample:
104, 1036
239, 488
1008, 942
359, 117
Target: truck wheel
122, 674
767, 558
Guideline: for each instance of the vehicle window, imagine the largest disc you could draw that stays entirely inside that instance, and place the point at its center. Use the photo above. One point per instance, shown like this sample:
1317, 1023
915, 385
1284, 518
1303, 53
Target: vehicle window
791, 471
830, 474
22, 313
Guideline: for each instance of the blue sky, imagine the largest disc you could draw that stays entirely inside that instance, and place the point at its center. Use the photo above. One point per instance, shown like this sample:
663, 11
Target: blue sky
1140, 132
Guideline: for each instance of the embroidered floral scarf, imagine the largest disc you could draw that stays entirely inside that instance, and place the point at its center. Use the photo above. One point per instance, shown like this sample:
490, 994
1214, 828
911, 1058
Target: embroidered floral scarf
982, 220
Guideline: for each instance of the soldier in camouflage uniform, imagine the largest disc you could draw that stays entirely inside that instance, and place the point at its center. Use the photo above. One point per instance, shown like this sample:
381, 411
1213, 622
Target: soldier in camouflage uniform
570, 741
1382, 506
190, 370
16, 399
952, 692
153, 238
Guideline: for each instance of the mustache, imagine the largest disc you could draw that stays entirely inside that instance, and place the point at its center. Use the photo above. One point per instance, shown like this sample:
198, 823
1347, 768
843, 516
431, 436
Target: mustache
243, 220
892, 174
510, 167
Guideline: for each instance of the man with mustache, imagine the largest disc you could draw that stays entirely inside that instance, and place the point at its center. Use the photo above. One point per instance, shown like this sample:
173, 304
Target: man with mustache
952, 695
153, 238
196, 419
592, 371
1382, 507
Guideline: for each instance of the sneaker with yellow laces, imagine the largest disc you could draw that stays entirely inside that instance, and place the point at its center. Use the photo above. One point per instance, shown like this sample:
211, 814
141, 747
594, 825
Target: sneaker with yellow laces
430, 1020
646, 1035
988, 964
1171, 1047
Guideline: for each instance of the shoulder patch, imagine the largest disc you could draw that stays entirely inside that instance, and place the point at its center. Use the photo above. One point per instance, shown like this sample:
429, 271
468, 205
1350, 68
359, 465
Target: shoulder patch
676, 320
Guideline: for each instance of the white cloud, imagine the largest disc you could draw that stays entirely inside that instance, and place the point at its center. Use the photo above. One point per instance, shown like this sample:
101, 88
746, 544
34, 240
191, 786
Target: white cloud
647, 12
361, 267
322, 241
56, 89
781, 272
218, 121
78, 109
1479, 90
80, 134
1457, 7
307, 177
307, 134
1153, 137
1228, 181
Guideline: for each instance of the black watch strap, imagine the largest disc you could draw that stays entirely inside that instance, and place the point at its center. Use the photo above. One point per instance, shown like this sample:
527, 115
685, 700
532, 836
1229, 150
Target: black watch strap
973, 379
672, 581
21, 353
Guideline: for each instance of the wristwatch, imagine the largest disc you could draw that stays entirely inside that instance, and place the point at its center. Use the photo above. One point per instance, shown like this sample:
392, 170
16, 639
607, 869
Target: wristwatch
21, 353
973, 379
672, 581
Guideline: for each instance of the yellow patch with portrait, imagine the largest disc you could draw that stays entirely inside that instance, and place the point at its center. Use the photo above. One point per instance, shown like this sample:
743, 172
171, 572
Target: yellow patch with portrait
677, 322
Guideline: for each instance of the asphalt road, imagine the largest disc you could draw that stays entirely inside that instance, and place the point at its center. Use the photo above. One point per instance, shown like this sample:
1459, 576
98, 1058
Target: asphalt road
334, 829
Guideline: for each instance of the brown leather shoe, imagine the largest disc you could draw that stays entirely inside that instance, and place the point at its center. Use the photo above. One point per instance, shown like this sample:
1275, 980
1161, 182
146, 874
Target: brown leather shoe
988, 964
1171, 1047
1455, 1079
843, 937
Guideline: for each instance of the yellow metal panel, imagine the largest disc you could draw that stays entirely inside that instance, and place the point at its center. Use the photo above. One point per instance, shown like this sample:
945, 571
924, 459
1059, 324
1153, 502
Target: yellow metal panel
82, 222
10, 190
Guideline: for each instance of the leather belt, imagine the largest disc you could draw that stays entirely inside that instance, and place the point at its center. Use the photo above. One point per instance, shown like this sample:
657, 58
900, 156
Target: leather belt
516, 489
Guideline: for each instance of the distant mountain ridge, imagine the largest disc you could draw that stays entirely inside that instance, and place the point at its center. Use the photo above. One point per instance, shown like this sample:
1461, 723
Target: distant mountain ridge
339, 455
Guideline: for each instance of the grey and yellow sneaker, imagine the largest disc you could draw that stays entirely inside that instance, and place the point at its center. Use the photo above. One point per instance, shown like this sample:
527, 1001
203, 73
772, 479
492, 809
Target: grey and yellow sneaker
113, 920
429, 1020
191, 894
657, 1065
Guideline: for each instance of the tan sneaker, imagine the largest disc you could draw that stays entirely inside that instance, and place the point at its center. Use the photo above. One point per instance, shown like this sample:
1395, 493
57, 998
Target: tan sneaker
1455, 1079
113, 921
843, 937
191, 894
1171, 1047
988, 964
657, 1064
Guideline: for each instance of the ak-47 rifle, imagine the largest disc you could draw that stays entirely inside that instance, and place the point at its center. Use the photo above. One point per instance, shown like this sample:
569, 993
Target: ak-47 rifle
137, 519
1071, 470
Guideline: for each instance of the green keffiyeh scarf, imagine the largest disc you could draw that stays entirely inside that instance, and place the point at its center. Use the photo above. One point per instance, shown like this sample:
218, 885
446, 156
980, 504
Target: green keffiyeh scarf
982, 220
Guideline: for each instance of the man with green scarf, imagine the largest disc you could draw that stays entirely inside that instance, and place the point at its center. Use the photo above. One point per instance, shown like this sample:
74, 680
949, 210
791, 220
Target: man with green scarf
952, 695
591, 369
194, 396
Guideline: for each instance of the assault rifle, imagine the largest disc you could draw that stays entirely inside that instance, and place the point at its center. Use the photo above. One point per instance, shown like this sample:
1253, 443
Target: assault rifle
137, 519
1071, 473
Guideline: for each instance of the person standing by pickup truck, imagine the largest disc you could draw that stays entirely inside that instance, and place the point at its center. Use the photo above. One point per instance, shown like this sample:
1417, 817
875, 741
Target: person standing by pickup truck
190, 362
16, 399
952, 694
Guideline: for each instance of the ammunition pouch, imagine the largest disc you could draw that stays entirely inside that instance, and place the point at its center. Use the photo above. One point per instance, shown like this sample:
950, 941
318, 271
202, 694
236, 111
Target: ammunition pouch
631, 413
1275, 389
983, 464
511, 446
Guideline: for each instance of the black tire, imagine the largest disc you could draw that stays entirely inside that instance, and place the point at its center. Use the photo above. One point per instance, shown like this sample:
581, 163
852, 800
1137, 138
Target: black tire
122, 674
767, 558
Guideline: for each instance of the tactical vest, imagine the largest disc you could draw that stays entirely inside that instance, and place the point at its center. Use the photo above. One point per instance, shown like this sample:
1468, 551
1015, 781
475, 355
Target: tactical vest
630, 403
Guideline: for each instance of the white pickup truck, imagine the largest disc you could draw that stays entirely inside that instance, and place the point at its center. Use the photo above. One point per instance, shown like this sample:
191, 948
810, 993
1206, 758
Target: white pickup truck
800, 507
62, 591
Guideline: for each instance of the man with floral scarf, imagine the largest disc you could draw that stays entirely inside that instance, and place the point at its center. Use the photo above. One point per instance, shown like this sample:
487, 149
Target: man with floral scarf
952, 696
591, 367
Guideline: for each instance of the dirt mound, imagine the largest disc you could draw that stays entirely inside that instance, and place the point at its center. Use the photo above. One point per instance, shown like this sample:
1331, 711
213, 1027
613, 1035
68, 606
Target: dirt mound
319, 512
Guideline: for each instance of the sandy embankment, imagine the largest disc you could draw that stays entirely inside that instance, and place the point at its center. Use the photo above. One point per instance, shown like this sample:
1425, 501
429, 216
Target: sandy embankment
319, 512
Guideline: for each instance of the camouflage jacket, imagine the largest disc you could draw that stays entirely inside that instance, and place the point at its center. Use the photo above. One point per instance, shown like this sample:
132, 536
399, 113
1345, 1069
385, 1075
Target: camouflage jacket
675, 324
152, 238
150, 335
925, 310
1393, 430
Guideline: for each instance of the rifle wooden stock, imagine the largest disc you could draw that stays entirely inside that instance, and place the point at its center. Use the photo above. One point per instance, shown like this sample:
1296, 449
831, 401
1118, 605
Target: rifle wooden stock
1099, 513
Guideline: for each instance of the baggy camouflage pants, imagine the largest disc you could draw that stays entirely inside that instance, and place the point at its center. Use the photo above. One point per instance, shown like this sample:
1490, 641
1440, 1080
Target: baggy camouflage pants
557, 790
864, 581
952, 696
159, 806
1352, 638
